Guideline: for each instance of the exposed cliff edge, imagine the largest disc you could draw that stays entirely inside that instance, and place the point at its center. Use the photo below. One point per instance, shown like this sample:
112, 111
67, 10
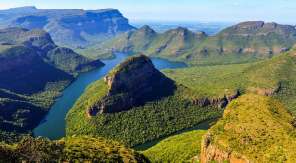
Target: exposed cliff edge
217, 102
248, 131
210, 152
132, 83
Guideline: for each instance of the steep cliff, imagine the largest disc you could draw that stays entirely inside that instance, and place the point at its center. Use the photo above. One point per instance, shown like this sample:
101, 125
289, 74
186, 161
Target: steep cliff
133, 83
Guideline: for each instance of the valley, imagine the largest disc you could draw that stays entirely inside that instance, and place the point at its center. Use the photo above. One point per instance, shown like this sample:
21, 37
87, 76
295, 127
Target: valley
53, 126
88, 85
34, 70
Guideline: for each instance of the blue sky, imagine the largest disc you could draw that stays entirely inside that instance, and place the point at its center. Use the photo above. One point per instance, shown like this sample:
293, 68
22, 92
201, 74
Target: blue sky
282, 11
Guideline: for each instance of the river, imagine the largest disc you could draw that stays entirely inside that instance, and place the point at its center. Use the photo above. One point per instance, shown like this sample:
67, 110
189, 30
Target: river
53, 125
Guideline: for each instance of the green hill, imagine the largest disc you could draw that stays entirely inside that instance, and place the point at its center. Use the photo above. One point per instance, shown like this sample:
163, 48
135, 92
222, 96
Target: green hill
70, 149
244, 42
33, 72
179, 148
100, 111
273, 77
253, 129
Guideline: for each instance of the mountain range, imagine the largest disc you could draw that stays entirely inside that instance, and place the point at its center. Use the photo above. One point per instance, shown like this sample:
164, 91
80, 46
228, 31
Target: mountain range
244, 42
68, 27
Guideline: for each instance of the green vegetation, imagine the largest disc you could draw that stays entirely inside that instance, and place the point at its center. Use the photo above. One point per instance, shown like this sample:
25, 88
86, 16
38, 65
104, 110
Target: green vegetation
69, 149
170, 114
99, 149
179, 148
275, 76
137, 123
140, 124
21, 113
256, 128
244, 42
33, 73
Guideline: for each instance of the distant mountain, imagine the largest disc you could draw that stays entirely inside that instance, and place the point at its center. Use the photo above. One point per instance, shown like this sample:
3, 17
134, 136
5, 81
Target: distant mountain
243, 42
68, 27
210, 28
32, 72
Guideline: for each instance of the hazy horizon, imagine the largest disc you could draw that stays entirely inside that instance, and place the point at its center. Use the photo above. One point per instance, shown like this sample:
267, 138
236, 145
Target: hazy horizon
281, 11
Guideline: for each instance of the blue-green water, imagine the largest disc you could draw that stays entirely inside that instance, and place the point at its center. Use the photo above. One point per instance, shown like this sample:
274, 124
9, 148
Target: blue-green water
53, 126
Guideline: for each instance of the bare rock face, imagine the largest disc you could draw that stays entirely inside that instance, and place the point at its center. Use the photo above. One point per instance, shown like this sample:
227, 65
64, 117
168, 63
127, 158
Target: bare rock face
133, 83
210, 152
217, 102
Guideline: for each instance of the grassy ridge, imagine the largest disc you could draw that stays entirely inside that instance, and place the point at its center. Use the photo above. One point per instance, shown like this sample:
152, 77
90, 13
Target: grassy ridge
256, 128
69, 149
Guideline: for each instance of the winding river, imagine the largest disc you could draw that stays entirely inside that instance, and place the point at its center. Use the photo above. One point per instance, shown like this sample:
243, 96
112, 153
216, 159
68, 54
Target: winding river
53, 125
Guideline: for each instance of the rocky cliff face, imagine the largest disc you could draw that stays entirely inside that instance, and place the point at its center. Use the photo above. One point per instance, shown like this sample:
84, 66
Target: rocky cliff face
217, 102
210, 152
70, 27
132, 83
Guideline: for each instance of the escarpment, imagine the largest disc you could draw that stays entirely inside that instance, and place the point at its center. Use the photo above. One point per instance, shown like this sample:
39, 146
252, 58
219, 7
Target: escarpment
69, 27
132, 83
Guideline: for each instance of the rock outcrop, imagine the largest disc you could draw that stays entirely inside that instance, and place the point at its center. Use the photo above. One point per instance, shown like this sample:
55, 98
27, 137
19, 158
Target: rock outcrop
210, 152
132, 83
217, 102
